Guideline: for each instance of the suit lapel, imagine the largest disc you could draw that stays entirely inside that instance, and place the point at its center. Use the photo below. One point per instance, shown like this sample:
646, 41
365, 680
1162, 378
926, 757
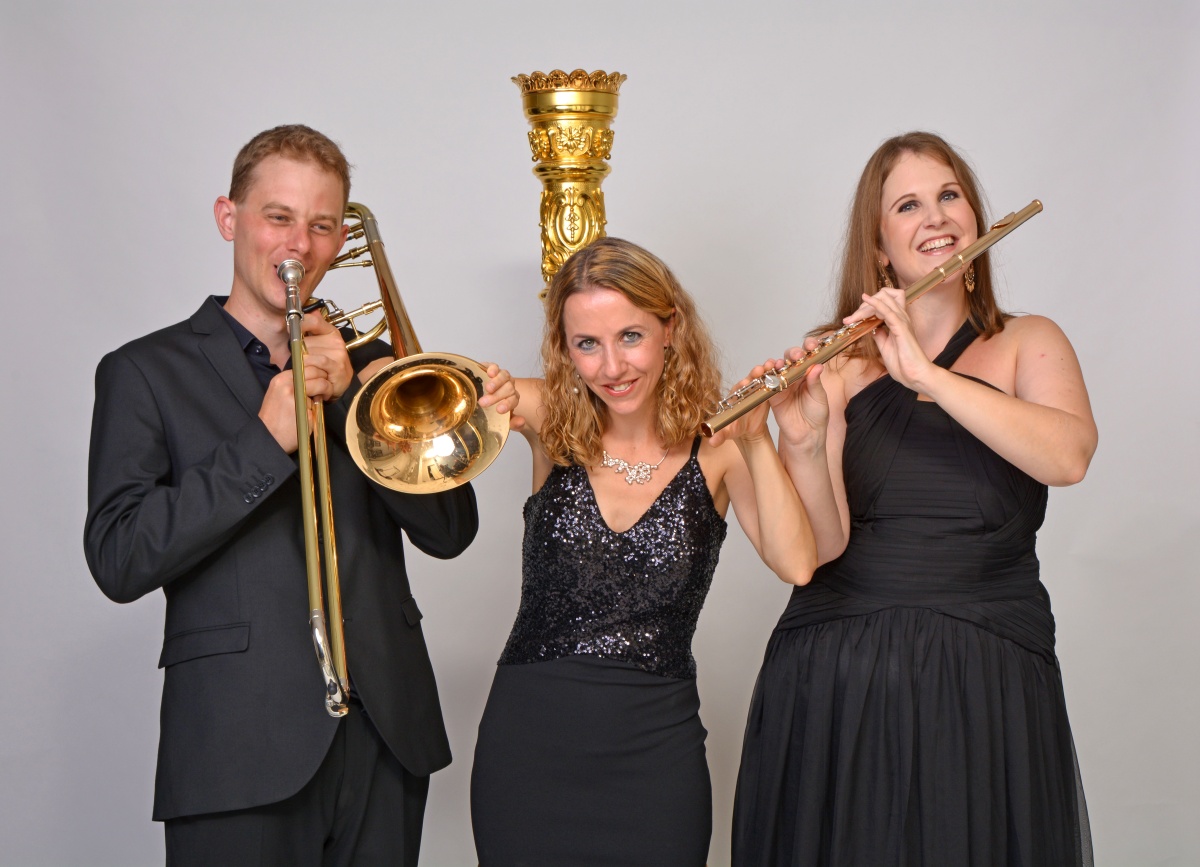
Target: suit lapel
221, 349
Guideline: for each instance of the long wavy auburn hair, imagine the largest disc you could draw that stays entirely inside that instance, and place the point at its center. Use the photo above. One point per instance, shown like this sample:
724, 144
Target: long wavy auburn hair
860, 258
575, 418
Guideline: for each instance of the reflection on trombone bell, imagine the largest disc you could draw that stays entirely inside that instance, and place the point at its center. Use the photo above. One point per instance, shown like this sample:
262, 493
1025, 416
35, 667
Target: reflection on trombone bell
419, 426
416, 426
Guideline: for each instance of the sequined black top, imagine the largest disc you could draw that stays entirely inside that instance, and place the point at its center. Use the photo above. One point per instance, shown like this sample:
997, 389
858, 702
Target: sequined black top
632, 596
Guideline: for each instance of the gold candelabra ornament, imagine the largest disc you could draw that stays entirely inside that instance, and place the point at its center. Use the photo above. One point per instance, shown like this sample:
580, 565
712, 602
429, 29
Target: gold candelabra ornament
571, 114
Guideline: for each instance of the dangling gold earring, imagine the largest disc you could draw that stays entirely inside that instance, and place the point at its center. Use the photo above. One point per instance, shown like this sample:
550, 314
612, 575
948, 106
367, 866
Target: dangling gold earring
884, 280
969, 278
575, 388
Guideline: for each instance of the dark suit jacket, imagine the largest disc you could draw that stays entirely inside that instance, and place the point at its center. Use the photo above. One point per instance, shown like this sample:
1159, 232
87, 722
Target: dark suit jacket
188, 491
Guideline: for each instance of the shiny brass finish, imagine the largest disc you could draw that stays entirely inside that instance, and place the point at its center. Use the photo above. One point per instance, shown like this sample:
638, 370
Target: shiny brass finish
328, 638
571, 140
746, 398
416, 426
339, 318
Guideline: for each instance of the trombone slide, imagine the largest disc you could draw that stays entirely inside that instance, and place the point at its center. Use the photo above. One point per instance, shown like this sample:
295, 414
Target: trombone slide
311, 445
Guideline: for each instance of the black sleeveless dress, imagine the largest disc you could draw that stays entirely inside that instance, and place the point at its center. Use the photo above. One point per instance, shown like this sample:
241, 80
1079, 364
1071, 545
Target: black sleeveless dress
591, 750
910, 710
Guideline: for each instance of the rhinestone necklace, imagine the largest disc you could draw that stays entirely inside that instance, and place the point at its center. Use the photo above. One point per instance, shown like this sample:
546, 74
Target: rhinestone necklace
639, 472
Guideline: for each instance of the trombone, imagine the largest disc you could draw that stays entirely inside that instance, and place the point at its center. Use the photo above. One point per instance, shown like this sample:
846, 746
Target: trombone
416, 426
314, 456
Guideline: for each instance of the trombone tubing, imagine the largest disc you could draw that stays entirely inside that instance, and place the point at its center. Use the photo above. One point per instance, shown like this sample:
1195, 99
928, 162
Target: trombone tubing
330, 657
771, 383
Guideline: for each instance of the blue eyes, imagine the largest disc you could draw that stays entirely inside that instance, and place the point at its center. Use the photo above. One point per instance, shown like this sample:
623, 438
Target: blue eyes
946, 196
629, 338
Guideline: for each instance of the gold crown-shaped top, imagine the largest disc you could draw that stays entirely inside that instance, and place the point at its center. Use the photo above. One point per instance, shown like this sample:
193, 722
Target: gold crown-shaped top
540, 82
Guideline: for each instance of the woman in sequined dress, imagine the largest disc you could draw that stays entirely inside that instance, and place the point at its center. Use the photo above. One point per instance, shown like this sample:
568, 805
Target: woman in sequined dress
910, 708
591, 749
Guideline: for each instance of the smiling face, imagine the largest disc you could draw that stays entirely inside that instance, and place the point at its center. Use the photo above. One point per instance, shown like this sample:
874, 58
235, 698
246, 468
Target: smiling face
618, 349
924, 217
293, 209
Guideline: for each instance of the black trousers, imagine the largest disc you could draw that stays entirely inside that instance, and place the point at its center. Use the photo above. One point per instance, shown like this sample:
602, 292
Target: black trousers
361, 809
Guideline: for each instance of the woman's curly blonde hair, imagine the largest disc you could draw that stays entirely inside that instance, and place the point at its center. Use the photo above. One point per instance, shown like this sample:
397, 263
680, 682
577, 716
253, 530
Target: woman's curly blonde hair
575, 418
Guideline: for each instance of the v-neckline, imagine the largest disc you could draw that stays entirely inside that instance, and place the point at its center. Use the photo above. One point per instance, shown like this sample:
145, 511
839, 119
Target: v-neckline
649, 509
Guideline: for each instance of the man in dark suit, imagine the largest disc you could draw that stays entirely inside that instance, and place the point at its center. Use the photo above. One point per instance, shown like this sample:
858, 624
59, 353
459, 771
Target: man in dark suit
193, 488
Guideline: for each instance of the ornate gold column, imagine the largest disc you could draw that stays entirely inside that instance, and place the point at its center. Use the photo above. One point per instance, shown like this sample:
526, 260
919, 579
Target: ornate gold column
571, 140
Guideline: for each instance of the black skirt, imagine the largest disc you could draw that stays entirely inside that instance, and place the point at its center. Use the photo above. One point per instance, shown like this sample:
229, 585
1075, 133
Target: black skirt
906, 736
587, 761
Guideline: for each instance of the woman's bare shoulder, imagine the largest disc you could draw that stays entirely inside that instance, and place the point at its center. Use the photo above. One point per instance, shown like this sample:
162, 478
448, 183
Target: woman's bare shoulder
845, 376
1027, 336
1030, 326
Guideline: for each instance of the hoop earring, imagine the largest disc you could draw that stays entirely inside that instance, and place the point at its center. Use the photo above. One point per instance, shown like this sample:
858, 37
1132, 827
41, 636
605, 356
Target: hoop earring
969, 278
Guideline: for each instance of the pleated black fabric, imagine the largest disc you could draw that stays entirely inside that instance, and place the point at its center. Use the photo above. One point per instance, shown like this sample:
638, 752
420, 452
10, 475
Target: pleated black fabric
910, 708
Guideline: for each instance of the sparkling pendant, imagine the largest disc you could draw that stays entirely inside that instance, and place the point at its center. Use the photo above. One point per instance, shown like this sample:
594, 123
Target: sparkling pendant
639, 472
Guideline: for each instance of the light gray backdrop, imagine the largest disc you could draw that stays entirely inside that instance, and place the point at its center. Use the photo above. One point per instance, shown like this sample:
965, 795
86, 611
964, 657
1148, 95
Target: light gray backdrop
741, 134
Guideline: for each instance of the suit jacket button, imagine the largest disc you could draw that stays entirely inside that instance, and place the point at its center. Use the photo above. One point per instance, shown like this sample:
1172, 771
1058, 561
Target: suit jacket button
247, 498
270, 480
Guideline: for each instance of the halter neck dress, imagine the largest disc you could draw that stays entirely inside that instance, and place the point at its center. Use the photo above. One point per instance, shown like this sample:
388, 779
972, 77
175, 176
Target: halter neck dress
591, 749
910, 710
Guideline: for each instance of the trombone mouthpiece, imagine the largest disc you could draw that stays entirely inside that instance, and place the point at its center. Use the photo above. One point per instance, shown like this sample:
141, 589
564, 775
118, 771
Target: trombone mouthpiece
291, 272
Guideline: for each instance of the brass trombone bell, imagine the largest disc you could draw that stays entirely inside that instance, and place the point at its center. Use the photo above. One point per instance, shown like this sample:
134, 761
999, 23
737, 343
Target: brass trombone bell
417, 426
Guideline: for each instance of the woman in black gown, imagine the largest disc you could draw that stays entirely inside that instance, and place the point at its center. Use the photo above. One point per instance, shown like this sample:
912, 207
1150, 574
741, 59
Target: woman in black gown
591, 750
910, 708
